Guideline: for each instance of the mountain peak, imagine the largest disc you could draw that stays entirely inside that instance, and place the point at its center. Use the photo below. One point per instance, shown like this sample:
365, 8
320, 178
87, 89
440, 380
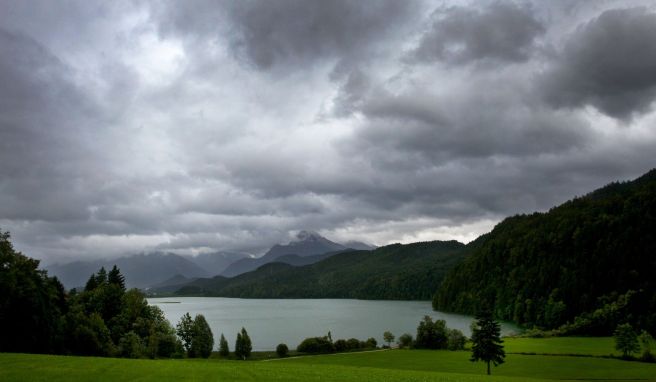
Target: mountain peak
308, 236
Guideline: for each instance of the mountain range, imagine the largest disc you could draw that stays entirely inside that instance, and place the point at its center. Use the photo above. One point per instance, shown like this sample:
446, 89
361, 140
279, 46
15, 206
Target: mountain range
307, 245
161, 270
393, 272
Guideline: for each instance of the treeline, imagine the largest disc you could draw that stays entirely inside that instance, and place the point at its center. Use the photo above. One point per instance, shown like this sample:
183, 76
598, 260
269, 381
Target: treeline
105, 319
394, 272
581, 268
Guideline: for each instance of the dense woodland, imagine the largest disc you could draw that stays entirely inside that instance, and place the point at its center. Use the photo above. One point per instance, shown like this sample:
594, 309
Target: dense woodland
583, 267
105, 319
395, 272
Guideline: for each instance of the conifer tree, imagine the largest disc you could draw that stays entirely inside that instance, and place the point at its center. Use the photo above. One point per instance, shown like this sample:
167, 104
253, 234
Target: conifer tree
486, 341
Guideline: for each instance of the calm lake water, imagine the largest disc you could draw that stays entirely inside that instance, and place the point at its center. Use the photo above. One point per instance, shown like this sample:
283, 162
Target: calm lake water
270, 322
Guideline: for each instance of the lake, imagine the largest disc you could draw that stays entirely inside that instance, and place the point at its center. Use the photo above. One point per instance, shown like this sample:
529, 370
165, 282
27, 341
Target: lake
273, 321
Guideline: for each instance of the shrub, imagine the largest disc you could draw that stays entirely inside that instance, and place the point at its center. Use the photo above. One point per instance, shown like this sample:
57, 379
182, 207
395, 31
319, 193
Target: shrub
405, 340
282, 350
316, 345
340, 345
455, 340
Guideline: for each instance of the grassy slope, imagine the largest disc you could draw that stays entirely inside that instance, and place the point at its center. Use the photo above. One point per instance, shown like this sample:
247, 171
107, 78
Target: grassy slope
394, 365
535, 366
595, 346
24, 367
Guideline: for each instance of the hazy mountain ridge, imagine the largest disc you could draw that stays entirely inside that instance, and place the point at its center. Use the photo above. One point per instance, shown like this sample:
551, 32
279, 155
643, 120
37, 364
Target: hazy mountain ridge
307, 244
140, 271
411, 271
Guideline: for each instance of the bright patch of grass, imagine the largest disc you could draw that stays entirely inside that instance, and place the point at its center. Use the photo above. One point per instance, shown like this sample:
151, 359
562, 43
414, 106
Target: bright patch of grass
596, 346
44, 368
535, 366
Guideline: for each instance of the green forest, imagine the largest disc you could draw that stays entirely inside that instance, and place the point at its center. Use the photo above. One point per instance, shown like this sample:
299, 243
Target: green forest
581, 268
394, 272
38, 316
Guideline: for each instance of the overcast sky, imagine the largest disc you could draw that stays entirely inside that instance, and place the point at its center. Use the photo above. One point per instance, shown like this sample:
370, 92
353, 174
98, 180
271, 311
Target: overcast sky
195, 126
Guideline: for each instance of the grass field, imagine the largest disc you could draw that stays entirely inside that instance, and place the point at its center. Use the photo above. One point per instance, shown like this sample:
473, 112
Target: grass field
596, 346
389, 365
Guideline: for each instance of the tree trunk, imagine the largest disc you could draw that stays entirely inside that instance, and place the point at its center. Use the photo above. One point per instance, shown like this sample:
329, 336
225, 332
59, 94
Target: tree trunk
488, 367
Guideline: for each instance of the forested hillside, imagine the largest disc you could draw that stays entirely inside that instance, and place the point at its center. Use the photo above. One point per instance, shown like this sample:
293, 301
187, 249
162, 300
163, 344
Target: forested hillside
590, 262
411, 271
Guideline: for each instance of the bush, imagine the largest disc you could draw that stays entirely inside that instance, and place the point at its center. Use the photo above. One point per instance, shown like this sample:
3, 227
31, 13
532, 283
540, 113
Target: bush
371, 343
405, 340
340, 345
455, 340
130, 346
282, 350
352, 343
316, 345
431, 335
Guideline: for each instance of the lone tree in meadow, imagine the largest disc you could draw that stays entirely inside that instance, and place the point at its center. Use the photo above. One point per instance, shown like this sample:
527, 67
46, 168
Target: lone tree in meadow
486, 341
224, 350
243, 345
389, 338
626, 340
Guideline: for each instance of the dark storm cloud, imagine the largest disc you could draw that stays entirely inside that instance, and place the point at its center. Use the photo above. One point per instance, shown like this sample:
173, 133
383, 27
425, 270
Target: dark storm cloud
204, 125
291, 34
608, 62
500, 31
42, 138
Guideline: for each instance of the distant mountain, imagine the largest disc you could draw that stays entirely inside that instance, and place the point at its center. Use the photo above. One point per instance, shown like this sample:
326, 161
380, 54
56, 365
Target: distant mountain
360, 246
411, 271
589, 264
140, 271
307, 243
172, 284
216, 262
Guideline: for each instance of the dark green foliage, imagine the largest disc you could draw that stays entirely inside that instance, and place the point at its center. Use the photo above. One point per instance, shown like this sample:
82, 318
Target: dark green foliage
455, 339
282, 350
317, 345
36, 315
185, 330
371, 343
202, 339
243, 345
647, 343
340, 345
405, 340
431, 335
388, 337
224, 350
486, 341
547, 269
31, 303
116, 278
395, 272
352, 344
626, 340
130, 346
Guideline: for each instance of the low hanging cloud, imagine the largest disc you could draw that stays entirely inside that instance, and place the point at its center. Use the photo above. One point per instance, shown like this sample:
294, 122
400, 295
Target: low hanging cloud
608, 62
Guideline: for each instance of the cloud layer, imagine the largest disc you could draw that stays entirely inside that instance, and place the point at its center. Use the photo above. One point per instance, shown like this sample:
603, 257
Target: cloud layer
202, 126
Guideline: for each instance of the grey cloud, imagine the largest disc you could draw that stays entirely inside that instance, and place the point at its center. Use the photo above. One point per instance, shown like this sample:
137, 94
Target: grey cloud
609, 63
500, 31
290, 34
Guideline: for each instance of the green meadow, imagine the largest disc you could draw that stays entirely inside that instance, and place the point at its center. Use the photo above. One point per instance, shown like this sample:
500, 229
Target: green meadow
385, 365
